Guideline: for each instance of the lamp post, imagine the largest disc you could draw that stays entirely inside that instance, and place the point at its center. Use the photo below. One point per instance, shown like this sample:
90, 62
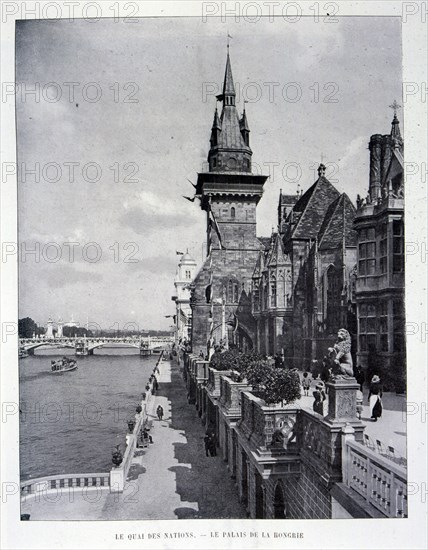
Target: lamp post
224, 335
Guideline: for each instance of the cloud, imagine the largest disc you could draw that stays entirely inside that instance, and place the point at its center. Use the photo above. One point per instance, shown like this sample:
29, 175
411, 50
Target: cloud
57, 276
145, 220
159, 265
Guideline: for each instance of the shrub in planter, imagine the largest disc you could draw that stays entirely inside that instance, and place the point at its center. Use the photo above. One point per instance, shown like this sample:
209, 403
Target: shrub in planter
281, 386
225, 360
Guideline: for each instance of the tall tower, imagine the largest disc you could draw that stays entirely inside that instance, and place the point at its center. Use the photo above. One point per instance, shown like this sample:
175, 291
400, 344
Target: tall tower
185, 274
49, 329
60, 325
229, 194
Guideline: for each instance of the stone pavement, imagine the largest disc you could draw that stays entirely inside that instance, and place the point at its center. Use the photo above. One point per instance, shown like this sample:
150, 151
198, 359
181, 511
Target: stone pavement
390, 429
170, 479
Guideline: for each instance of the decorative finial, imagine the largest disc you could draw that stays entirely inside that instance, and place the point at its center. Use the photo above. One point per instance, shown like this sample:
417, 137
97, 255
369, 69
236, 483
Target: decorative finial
321, 170
228, 36
322, 158
395, 106
298, 189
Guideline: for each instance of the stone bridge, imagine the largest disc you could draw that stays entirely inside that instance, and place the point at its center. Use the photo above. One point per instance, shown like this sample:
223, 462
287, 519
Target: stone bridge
86, 346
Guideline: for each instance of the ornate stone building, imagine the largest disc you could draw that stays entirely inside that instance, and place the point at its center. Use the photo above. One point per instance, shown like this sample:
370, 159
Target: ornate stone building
183, 314
229, 193
304, 279
379, 224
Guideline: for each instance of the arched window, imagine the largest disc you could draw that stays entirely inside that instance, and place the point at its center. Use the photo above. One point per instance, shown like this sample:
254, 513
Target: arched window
256, 298
273, 291
208, 294
232, 212
334, 288
235, 293
230, 291
265, 295
279, 503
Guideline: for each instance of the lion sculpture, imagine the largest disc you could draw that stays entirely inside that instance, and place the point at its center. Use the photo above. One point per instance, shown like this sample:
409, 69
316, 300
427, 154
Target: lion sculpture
341, 355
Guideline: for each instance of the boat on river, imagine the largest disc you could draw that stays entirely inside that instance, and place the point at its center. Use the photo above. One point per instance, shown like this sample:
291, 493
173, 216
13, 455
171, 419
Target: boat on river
63, 365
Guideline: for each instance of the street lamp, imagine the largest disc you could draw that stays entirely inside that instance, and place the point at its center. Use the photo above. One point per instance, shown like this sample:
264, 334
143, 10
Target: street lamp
224, 335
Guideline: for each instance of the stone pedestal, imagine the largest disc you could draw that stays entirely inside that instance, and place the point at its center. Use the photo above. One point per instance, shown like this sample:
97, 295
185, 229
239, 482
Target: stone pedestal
342, 400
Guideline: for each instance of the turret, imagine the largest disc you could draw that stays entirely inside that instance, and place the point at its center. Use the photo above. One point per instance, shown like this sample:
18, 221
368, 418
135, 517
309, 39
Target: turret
229, 142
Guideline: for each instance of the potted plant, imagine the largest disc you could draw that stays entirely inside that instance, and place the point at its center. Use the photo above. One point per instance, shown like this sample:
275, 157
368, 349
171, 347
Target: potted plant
147, 387
139, 409
143, 395
131, 425
117, 456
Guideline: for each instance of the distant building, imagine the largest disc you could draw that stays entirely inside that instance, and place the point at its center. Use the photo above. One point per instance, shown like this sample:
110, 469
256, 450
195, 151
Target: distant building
49, 329
72, 323
184, 276
304, 278
379, 224
60, 325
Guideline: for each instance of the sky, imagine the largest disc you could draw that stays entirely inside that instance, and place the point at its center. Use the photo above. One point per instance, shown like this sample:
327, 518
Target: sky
112, 160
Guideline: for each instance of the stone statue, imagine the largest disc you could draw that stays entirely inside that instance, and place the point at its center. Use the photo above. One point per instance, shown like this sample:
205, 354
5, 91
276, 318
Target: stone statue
340, 353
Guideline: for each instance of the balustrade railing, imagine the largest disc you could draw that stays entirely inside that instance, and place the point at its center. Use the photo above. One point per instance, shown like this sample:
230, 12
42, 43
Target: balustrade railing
43, 485
380, 481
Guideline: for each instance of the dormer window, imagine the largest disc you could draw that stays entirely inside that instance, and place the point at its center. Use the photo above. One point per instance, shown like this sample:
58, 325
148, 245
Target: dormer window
232, 212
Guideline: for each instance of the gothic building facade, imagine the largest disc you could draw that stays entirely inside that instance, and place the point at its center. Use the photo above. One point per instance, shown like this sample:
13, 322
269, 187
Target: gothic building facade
304, 279
379, 224
229, 193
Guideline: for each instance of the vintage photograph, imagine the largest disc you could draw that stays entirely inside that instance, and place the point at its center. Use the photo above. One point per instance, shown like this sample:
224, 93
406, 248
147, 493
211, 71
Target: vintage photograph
211, 265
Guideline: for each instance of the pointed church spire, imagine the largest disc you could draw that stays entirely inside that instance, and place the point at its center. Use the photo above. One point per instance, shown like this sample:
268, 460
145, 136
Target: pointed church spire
228, 95
244, 121
216, 121
395, 125
228, 86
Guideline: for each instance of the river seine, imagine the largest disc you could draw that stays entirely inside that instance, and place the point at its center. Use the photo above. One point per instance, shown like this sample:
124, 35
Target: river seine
70, 422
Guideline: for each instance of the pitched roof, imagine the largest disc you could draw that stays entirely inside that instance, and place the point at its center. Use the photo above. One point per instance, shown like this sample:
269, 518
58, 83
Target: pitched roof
276, 254
257, 273
338, 222
230, 136
312, 206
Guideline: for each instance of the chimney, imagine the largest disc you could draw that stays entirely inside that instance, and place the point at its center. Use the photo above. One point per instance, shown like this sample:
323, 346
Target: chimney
375, 147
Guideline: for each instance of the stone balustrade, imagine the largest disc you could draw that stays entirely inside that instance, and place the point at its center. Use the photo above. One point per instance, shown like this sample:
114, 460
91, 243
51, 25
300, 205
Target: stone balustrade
381, 482
268, 426
213, 383
40, 486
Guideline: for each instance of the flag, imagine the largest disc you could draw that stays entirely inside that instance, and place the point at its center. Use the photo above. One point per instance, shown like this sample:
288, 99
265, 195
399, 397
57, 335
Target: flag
179, 253
216, 227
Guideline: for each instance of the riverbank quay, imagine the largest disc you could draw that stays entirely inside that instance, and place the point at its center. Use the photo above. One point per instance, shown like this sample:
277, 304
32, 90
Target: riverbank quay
169, 479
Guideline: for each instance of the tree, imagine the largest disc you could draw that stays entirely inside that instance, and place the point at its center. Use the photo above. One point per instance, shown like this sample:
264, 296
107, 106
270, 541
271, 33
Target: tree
26, 327
281, 386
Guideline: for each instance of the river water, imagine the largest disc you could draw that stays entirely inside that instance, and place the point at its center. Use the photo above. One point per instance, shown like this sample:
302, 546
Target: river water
70, 422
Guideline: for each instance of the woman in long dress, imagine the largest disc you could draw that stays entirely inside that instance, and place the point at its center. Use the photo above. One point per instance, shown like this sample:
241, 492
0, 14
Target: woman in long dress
375, 394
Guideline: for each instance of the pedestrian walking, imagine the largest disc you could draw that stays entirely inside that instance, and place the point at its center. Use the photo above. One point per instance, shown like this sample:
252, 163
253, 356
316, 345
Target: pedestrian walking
319, 398
159, 412
375, 398
207, 443
359, 376
306, 383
